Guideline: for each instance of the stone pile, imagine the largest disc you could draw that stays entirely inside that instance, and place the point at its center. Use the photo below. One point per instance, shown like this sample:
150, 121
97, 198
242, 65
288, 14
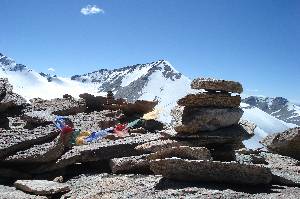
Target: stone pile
211, 118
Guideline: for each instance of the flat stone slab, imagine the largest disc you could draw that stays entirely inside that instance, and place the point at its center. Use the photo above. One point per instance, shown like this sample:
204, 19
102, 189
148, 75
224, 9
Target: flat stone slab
132, 164
194, 120
102, 150
210, 100
14, 140
184, 152
286, 143
41, 187
46, 152
217, 85
228, 135
7, 192
156, 145
211, 171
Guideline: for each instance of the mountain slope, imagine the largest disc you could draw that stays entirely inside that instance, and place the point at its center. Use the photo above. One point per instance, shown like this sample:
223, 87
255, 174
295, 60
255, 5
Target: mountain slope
278, 107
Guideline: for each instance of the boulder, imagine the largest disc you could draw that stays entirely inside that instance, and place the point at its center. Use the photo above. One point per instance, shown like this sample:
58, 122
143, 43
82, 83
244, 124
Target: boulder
7, 192
41, 187
132, 164
217, 85
40, 153
38, 118
11, 104
194, 120
211, 171
210, 100
14, 140
286, 143
184, 152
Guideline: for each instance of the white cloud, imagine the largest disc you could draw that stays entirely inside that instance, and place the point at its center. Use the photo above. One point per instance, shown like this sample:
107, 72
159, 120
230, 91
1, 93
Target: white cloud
91, 10
51, 69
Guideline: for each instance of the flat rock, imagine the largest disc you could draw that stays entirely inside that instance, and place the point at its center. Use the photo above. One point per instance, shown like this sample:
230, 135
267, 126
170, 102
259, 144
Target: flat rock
41, 187
184, 152
38, 118
228, 135
14, 140
193, 120
46, 152
102, 150
211, 171
286, 143
216, 84
132, 164
7, 192
210, 100
156, 145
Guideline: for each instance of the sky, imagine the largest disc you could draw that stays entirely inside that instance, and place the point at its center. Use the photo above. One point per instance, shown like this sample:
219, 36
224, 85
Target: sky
256, 42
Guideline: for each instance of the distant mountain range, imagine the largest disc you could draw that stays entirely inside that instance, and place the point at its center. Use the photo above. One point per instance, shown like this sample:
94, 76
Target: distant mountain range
278, 107
157, 80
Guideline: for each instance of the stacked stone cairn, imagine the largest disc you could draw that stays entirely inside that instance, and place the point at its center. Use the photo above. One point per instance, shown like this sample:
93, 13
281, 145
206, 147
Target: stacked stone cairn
210, 120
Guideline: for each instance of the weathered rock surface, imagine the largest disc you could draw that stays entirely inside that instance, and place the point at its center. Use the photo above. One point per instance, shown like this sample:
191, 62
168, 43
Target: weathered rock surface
59, 106
38, 118
285, 143
12, 141
10, 102
46, 152
94, 121
228, 135
184, 152
216, 84
41, 187
132, 164
210, 100
248, 126
153, 146
211, 171
102, 150
193, 120
150, 186
7, 192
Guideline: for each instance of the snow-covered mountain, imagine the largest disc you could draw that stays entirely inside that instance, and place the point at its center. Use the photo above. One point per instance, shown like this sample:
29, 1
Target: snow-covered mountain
278, 107
153, 81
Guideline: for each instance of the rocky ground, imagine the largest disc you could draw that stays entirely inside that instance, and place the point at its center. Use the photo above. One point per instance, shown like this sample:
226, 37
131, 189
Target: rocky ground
200, 155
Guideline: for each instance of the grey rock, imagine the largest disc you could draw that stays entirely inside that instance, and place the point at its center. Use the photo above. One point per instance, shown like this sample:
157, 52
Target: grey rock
46, 152
132, 164
184, 152
211, 171
286, 143
216, 84
7, 192
156, 145
210, 100
41, 187
193, 120
12, 141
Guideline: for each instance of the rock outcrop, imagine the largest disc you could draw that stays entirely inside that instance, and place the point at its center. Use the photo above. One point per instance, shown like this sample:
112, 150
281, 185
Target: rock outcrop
285, 143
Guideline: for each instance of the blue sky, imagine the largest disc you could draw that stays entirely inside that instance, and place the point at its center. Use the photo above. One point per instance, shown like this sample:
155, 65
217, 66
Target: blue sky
256, 42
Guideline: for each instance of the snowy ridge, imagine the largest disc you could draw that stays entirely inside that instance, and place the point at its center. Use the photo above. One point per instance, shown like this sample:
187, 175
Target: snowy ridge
278, 107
